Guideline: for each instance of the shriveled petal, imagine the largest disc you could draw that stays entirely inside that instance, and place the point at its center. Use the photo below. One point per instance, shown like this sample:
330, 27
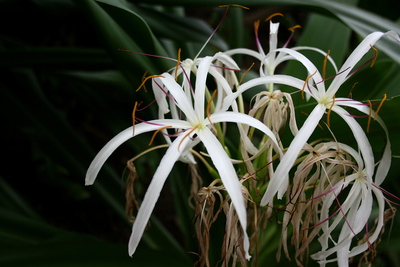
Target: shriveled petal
229, 178
154, 189
281, 173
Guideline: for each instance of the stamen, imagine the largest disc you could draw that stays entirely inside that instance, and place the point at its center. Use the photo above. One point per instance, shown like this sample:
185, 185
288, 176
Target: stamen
134, 116
219, 24
274, 15
375, 56
146, 79
380, 105
241, 78
329, 112
369, 115
156, 132
325, 63
178, 63
186, 135
209, 106
244, 7
306, 82
351, 90
294, 27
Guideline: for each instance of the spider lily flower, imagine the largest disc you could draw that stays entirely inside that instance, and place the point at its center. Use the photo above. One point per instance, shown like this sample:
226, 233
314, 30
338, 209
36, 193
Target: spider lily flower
269, 61
193, 126
326, 101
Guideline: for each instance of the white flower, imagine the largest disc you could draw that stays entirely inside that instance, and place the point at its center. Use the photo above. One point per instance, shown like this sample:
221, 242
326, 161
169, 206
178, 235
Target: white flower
269, 61
326, 101
193, 128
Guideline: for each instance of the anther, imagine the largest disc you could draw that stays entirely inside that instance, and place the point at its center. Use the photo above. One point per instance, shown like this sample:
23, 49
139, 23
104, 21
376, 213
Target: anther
369, 115
177, 64
325, 63
244, 7
209, 106
375, 56
294, 27
241, 78
305, 83
146, 79
274, 15
186, 135
156, 132
329, 112
380, 105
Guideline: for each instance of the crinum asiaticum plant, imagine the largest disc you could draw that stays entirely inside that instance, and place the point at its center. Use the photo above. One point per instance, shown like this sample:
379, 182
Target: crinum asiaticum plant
327, 197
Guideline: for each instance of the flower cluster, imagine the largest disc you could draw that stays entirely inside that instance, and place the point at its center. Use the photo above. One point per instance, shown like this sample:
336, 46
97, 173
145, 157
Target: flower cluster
319, 190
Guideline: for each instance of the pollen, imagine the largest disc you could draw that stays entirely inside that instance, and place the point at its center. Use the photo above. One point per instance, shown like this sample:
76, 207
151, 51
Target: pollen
209, 106
305, 83
178, 63
145, 79
329, 112
244, 74
156, 132
294, 27
274, 15
380, 105
325, 63
369, 115
375, 56
186, 135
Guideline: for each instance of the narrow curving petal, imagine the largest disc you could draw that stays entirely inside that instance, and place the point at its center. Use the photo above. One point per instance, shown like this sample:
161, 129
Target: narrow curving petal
230, 116
361, 139
121, 138
154, 189
287, 161
229, 178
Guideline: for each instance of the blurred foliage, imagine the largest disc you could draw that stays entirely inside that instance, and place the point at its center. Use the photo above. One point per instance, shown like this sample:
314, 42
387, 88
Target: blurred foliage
66, 88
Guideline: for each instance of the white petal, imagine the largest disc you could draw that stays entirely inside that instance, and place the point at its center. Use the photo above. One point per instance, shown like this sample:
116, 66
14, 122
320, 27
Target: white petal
122, 137
352, 60
361, 138
245, 51
200, 87
278, 79
386, 160
229, 178
281, 173
182, 101
154, 189
245, 119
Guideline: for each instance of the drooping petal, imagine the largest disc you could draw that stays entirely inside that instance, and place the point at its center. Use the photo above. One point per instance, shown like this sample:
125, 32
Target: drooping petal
154, 189
361, 139
121, 138
386, 160
278, 79
201, 79
229, 178
181, 99
229, 116
355, 57
281, 173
